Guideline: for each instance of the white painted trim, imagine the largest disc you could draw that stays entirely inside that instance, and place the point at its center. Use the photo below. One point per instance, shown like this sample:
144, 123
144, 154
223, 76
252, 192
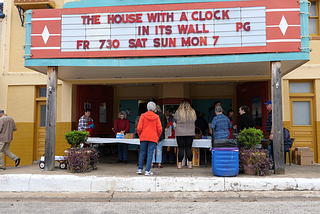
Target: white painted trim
46, 19
44, 48
284, 40
49, 34
278, 26
284, 9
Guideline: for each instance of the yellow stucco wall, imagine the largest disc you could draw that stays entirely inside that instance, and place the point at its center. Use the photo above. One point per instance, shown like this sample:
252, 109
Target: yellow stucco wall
24, 140
21, 103
22, 144
21, 107
18, 87
285, 100
175, 90
61, 144
308, 72
317, 99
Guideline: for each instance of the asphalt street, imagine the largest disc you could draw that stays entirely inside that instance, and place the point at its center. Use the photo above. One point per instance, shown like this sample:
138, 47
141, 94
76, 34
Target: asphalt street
161, 207
166, 202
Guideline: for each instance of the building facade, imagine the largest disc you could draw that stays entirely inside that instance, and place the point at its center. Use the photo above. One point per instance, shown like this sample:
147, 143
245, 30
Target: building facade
118, 55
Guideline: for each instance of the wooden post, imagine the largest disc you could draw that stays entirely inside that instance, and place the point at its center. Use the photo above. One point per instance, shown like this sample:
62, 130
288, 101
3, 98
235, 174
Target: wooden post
277, 118
50, 145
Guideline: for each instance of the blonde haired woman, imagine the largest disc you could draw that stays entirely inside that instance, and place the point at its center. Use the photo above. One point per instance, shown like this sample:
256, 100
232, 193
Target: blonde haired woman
185, 118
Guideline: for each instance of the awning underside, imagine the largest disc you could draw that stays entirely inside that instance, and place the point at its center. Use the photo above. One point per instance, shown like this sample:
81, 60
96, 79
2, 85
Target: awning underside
260, 70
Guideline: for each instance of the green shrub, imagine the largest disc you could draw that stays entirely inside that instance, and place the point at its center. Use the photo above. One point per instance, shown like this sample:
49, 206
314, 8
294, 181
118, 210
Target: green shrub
75, 138
248, 138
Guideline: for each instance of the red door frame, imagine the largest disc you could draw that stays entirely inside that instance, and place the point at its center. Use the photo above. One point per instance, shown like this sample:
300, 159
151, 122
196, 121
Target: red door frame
96, 94
245, 93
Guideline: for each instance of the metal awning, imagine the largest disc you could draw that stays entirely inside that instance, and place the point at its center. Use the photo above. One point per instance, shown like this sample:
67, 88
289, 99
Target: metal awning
34, 4
24, 5
191, 69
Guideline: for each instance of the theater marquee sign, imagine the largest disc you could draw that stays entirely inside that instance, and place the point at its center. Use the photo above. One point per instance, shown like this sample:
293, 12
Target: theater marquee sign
165, 30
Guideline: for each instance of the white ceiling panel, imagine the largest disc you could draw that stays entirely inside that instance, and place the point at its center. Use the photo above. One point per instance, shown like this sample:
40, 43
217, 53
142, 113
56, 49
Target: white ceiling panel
188, 71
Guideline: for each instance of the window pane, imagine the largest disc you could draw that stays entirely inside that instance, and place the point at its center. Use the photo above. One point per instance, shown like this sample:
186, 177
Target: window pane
313, 8
304, 87
87, 104
313, 26
43, 110
103, 113
301, 113
42, 92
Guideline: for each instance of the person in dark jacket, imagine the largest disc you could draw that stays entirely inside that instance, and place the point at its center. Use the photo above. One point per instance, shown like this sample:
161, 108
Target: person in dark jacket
268, 125
201, 123
122, 125
212, 114
163, 121
230, 115
246, 119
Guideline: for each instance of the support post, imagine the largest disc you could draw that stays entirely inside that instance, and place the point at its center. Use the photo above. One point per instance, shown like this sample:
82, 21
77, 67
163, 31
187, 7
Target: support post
51, 115
277, 118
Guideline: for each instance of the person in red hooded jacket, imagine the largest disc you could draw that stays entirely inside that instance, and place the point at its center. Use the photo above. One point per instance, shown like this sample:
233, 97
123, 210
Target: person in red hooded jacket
149, 130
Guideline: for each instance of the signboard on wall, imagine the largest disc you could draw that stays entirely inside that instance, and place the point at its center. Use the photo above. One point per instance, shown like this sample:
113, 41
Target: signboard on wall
154, 30
166, 30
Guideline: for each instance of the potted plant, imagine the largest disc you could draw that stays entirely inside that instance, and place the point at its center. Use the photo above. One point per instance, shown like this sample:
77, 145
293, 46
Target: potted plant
254, 161
248, 138
251, 159
75, 138
80, 159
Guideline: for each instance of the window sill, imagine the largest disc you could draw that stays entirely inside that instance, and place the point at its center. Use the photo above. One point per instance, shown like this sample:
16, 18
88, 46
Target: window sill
315, 37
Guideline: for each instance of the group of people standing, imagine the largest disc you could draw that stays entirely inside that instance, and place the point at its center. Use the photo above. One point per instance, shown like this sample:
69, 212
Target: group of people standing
151, 130
152, 127
221, 126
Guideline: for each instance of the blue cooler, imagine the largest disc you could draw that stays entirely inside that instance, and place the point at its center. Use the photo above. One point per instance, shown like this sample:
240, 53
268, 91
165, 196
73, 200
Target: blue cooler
225, 162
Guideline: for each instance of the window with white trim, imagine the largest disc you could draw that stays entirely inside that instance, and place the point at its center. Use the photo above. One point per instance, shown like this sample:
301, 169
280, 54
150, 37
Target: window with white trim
314, 18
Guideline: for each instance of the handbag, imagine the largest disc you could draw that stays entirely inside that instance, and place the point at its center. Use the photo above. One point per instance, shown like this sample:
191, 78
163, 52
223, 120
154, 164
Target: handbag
198, 133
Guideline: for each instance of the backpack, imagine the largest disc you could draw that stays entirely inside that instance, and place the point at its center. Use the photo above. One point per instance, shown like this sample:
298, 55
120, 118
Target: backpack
286, 139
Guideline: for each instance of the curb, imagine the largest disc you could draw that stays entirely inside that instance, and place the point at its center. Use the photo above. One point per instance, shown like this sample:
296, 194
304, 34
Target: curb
72, 183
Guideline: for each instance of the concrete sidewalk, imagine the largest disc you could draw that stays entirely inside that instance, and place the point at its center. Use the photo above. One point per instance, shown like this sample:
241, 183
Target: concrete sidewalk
120, 177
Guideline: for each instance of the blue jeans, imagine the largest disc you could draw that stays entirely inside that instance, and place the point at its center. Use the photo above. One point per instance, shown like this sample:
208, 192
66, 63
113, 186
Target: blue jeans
159, 152
164, 154
123, 151
146, 148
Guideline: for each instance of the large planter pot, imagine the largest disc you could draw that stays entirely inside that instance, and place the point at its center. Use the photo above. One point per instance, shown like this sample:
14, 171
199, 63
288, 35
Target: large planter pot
248, 171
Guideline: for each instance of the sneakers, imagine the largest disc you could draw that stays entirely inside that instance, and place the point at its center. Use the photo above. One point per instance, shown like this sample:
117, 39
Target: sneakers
4, 168
17, 162
148, 173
